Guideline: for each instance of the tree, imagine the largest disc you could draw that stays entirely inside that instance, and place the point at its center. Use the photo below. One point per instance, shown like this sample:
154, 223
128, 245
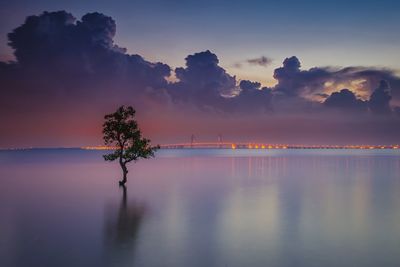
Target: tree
121, 131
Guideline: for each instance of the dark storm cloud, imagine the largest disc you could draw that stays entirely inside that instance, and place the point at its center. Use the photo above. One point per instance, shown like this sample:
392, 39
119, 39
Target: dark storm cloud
66, 72
58, 55
74, 53
68, 68
378, 103
252, 98
380, 98
318, 82
208, 86
292, 81
203, 82
369, 79
345, 99
247, 85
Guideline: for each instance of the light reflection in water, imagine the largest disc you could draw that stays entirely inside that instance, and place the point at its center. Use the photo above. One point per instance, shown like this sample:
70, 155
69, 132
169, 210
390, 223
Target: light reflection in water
201, 208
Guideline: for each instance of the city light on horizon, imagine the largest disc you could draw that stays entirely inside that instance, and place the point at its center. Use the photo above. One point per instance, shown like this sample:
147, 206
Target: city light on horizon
253, 146
199, 133
287, 87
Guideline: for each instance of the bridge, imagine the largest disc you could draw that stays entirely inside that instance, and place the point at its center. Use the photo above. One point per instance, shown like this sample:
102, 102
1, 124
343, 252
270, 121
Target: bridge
221, 144
238, 145
247, 145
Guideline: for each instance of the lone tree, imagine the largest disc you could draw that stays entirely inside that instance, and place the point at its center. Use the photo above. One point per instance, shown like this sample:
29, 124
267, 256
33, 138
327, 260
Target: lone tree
121, 130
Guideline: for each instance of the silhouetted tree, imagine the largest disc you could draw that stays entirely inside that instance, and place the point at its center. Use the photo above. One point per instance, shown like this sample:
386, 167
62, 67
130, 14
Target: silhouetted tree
121, 130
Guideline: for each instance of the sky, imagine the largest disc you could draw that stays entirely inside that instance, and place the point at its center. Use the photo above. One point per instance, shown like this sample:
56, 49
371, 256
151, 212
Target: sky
269, 71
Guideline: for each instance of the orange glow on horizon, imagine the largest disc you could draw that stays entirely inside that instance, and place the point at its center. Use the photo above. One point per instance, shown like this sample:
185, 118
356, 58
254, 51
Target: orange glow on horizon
99, 147
238, 145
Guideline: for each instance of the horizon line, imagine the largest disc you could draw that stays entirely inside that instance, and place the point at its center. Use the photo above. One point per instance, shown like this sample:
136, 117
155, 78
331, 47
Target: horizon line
221, 145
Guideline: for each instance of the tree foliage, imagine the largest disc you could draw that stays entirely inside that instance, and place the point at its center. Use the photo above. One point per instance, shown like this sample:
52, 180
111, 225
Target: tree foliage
121, 131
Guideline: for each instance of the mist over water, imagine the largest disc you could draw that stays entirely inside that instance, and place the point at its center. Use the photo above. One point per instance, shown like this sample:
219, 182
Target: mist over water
201, 207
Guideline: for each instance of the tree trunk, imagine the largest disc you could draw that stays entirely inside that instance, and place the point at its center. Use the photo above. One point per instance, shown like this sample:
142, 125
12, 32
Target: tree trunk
124, 173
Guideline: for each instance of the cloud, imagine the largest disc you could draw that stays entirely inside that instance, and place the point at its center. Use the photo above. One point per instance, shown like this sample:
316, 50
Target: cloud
380, 98
322, 95
345, 100
79, 51
203, 82
322, 81
292, 81
68, 71
247, 85
252, 99
260, 61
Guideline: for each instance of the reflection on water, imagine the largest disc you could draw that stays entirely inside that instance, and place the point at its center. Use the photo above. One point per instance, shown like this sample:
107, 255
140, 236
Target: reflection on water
121, 230
201, 208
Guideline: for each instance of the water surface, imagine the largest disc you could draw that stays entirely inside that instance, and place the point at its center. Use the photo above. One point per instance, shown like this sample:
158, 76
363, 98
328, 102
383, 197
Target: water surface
201, 207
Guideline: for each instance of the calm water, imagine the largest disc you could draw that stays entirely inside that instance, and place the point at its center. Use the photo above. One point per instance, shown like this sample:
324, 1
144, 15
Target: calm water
201, 208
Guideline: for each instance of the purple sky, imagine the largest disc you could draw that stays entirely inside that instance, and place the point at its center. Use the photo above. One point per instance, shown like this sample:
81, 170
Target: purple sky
60, 72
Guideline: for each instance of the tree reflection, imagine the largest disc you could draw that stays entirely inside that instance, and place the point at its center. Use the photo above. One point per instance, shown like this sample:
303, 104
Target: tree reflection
121, 231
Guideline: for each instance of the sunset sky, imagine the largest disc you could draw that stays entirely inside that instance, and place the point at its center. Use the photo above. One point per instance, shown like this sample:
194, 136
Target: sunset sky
315, 72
